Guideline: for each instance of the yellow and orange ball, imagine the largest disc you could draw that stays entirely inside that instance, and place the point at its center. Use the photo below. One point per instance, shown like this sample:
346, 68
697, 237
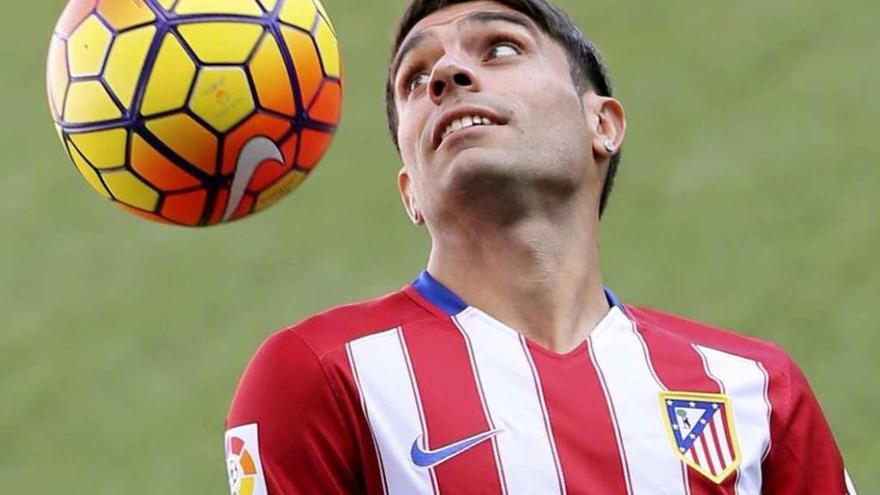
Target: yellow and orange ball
195, 112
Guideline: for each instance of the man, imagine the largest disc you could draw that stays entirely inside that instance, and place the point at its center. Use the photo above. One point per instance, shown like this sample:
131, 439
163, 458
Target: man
506, 367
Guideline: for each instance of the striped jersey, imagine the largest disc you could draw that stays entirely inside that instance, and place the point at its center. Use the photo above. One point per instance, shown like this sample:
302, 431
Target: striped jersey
419, 393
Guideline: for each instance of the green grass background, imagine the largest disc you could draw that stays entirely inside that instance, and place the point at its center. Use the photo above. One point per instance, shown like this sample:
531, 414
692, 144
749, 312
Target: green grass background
748, 198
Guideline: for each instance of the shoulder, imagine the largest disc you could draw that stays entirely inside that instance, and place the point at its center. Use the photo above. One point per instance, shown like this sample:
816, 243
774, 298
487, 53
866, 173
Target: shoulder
294, 347
335, 327
297, 363
755, 371
702, 335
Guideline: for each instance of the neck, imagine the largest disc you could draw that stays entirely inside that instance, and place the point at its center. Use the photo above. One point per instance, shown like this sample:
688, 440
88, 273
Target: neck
539, 275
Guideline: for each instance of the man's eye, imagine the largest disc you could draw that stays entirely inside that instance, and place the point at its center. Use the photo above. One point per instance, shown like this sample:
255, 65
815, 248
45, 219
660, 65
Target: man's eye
415, 81
505, 49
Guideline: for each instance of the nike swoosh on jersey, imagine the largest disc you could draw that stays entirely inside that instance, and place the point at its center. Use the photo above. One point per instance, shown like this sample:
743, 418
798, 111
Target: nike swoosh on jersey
256, 151
429, 458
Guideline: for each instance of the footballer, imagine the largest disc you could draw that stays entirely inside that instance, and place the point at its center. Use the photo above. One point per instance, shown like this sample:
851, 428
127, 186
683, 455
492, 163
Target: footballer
507, 367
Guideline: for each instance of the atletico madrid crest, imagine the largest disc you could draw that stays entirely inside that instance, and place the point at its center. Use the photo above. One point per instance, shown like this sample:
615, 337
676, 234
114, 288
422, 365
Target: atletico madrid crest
702, 433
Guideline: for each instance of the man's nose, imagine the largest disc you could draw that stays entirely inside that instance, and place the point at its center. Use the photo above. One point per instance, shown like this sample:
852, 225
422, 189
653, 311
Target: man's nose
448, 77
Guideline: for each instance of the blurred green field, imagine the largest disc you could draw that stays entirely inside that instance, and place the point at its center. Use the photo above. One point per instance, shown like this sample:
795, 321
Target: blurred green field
748, 198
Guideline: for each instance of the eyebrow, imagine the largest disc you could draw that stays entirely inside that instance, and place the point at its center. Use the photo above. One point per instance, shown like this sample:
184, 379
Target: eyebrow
482, 17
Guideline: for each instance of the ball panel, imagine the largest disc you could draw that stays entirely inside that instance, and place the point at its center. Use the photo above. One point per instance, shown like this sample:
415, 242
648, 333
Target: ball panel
328, 48
57, 79
123, 14
266, 174
259, 124
239, 7
222, 97
87, 48
87, 171
170, 79
313, 145
185, 208
306, 61
221, 42
88, 102
156, 169
327, 106
74, 13
299, 13
183, 135
273, 92
128, 189
103, 149
126, 61
280, 189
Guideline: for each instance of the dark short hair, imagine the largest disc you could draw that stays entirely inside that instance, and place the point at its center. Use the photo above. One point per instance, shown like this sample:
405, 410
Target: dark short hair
588, 69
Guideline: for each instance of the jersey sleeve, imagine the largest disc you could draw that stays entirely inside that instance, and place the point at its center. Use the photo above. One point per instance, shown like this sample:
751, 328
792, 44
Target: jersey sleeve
285, 429
803, 458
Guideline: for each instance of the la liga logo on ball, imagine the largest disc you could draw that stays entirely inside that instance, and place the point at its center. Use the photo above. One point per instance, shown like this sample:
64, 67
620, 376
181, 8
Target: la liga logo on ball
195, 112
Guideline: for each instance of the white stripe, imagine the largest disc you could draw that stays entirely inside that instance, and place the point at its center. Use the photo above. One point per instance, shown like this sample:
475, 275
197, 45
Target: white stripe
850, 488
745, 382
392, 409
633, 390
711, 446
720, 427
524, 448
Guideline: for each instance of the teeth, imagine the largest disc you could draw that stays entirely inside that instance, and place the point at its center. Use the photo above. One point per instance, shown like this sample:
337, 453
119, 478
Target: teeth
465, 122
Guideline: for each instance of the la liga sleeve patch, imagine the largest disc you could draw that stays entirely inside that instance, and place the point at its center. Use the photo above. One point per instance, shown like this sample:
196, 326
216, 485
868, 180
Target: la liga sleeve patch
243, 461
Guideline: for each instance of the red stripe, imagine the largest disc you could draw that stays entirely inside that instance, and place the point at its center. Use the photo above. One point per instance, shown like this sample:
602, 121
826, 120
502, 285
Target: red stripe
718, 444
452, 407
412, 381
706, 454
580, 421
680, 367
540, 394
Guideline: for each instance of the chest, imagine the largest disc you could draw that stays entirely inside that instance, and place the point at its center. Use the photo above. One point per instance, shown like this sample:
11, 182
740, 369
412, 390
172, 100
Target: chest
480, 410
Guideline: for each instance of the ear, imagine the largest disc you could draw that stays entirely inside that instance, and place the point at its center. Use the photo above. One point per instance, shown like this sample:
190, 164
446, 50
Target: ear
608, 122
407, 195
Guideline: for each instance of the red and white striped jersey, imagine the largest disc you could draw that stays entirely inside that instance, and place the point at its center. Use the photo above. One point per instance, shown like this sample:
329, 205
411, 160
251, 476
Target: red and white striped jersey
418, 393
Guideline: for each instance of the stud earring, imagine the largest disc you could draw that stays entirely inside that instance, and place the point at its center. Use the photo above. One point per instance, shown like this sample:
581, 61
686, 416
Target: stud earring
609, 146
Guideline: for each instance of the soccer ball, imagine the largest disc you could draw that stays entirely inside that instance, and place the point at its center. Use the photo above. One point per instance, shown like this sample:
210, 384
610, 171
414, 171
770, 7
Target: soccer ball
195, 112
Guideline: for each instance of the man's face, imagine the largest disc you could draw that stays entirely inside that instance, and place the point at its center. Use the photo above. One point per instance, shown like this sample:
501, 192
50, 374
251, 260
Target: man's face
487, 111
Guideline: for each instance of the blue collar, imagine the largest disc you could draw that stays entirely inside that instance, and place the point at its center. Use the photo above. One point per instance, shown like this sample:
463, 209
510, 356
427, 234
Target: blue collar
451, 304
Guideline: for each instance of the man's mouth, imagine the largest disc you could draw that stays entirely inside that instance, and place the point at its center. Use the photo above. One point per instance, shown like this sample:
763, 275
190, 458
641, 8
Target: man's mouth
462, 119
466, 122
